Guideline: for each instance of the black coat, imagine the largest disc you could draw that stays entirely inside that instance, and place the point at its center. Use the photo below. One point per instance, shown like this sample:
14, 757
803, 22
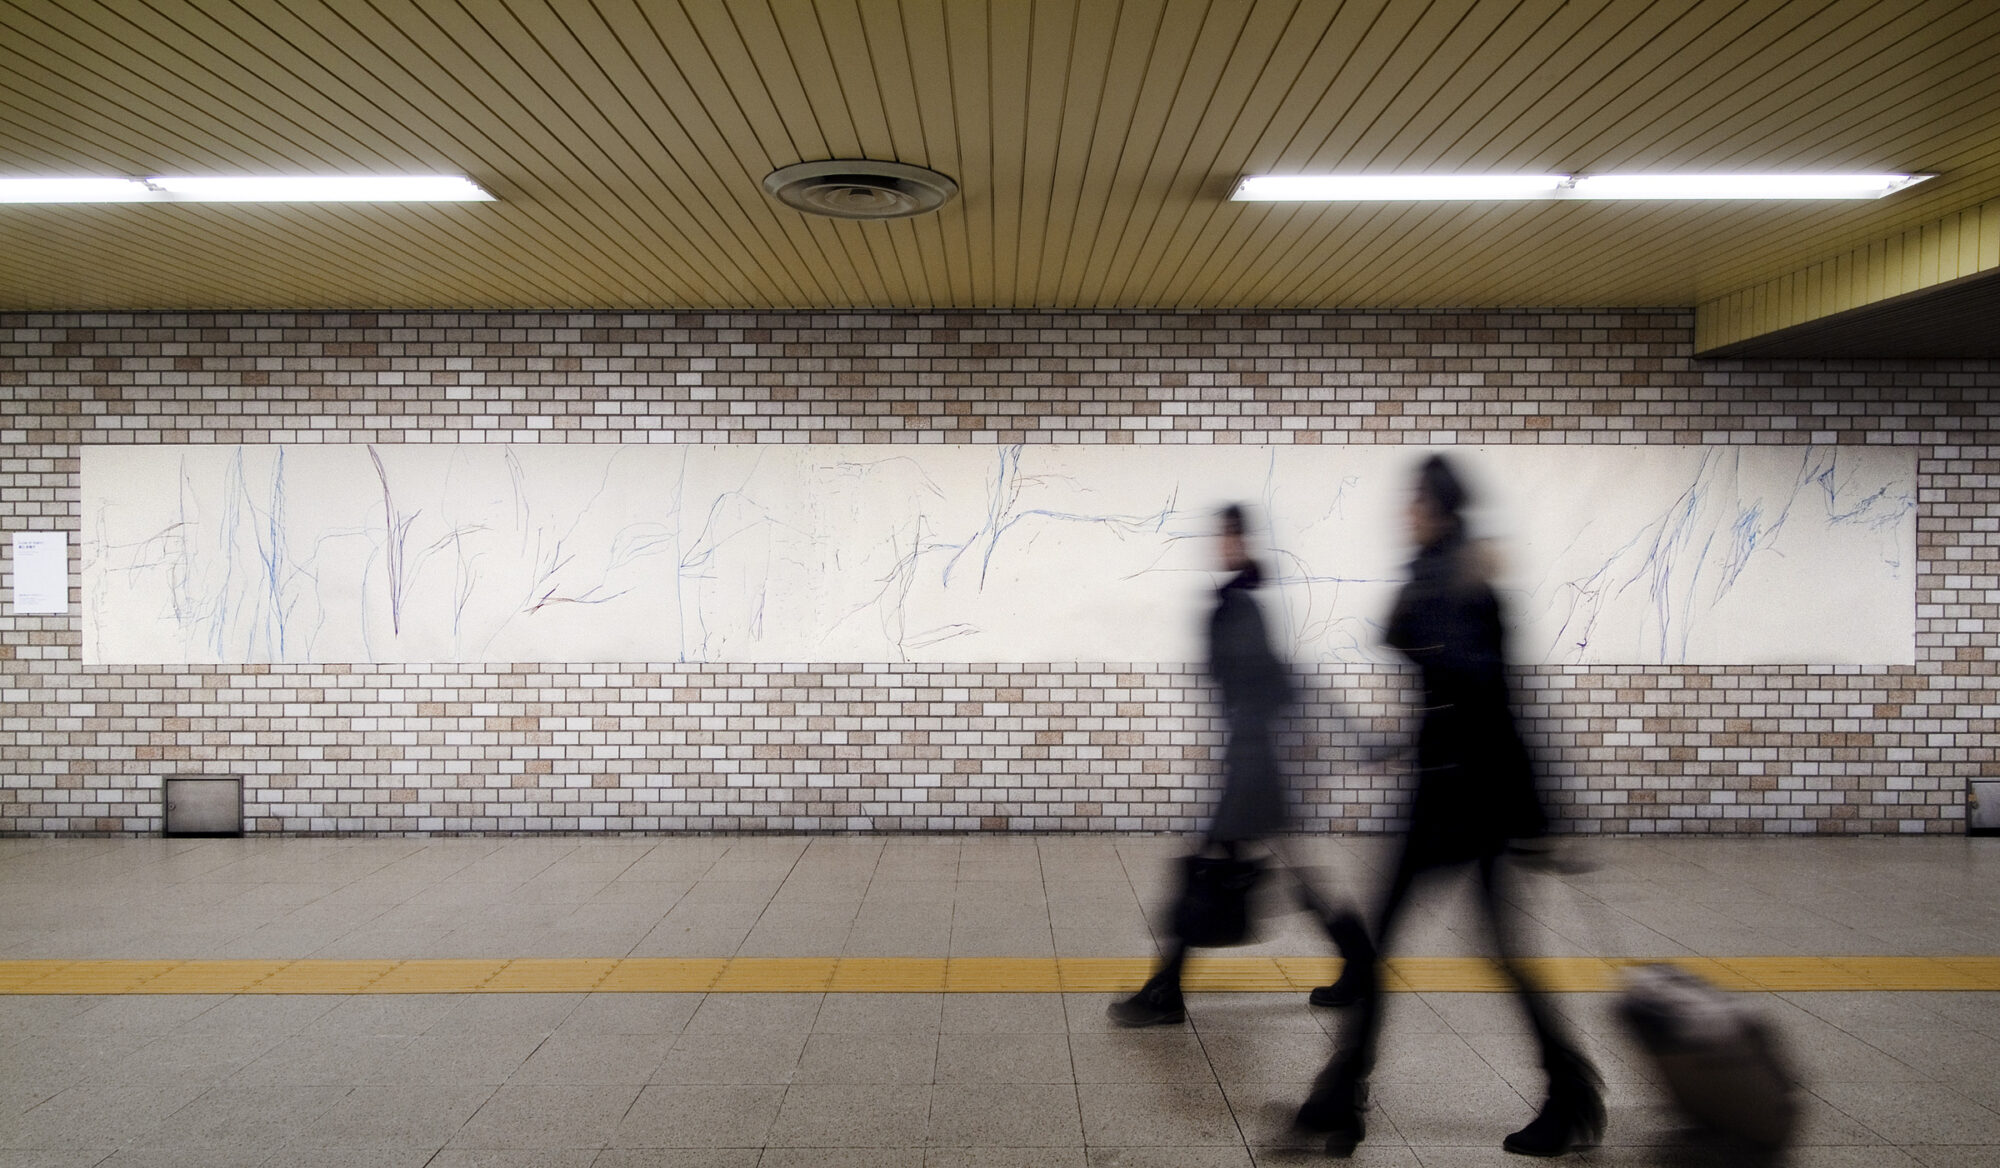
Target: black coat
1254, 687
1475, 785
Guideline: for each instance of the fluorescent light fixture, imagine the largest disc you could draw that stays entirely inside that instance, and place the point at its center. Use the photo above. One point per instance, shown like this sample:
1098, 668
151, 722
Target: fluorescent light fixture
1743, 186
337, 188
72, 190
1398, 188
1395, 188
340, 188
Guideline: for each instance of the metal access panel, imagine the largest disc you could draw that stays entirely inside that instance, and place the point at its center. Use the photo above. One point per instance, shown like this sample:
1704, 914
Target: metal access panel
1982, 807
204, 806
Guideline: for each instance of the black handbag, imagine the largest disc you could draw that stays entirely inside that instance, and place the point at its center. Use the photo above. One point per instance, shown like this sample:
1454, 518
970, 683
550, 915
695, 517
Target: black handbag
1214, 908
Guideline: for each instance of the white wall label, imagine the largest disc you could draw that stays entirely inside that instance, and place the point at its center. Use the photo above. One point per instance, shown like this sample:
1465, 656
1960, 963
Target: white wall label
41, 573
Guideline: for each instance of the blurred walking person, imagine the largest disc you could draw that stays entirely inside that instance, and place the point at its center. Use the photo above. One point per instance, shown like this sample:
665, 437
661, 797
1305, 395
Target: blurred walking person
1475, 793
1254, 687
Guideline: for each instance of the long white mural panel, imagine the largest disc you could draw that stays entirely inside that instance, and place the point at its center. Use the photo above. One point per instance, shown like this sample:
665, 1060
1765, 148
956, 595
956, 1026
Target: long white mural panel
405, 553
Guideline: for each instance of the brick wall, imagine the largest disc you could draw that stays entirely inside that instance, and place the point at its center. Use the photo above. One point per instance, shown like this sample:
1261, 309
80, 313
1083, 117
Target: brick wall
871, 745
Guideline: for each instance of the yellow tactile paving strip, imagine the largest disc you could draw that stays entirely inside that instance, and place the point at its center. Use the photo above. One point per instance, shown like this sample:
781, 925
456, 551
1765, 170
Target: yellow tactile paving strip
871, 975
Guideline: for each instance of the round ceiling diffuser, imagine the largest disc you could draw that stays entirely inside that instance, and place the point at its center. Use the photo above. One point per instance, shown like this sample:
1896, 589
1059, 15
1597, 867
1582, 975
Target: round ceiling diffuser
858, 188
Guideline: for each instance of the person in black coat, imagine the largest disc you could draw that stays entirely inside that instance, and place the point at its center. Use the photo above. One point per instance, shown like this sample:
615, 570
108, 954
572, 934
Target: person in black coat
1475, 793
1254, 687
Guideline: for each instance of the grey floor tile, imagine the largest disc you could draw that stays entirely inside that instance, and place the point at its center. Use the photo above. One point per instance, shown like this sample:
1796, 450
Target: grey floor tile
1216, 1013
1862, 1012
138, 1014
1264, 1111
1450, 1059
1955, 1156
1141, 1056
1820, 1125
40, 1013
898, 940
403, 1116
324, 1059
1824, 1054
869, 1157
731, 1058
197, 1157
546, 1117
1004, 1014
1174, 1115
96, 1115
271, 1014
678, 939
867, 1058
457, 1059
672, 1116
755, 1013
678, 1158
1004, 1058
1235, 1156
879, 1014
407, 1015
55, 1157
794, 941
246, 1118
1910, 1113
192, 1058
1267, 1056
1458, 1115
1371, 1154
1001, 941
1018, 1115
481, 1014
1102, 941
845, 1115
296, 1156
710, 891
570, 1058
1085, 1014
50, 1062
1854, 1157
895, 890
616, 1013
1006, 1158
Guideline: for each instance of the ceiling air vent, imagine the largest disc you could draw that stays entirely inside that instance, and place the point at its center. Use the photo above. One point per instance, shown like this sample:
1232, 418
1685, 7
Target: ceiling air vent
856, 188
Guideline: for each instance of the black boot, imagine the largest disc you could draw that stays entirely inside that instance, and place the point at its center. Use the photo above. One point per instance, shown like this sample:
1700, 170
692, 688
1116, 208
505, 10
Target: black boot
1158, 1003
1357, 962
1571, 1117
1334, 1108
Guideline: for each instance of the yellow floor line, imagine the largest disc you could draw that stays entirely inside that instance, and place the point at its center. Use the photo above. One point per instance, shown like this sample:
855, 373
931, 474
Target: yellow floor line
874, 975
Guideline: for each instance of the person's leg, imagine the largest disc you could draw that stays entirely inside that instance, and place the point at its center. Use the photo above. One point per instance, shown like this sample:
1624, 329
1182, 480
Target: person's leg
1498, 913
1371, 1000
1159, 1001
1340, 1092
1572, 1115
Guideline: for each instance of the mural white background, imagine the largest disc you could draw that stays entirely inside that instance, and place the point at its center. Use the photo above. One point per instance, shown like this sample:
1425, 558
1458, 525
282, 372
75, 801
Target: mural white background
408, 553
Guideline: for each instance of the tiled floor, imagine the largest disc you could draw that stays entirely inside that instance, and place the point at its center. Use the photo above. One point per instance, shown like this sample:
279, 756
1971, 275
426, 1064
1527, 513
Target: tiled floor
615, 1079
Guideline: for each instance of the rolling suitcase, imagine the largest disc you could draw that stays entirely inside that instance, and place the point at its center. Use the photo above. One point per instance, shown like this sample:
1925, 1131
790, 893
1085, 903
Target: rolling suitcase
1721, 1061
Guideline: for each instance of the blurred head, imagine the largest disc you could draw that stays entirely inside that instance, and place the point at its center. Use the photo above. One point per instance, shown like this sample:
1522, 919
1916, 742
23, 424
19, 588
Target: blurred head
1436, 503
1231, 526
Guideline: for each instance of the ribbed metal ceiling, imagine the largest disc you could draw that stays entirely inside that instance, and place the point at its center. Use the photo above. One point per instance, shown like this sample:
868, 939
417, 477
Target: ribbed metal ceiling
1093, 143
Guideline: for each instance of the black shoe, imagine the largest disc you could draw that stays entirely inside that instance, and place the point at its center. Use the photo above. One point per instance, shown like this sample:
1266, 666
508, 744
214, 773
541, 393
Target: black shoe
1334, 1110
1357, 966
1153, 1005
1357, 955
1342, 993
1571, 1117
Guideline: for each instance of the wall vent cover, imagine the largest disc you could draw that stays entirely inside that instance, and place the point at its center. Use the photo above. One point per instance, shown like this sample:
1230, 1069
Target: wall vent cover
859, 188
